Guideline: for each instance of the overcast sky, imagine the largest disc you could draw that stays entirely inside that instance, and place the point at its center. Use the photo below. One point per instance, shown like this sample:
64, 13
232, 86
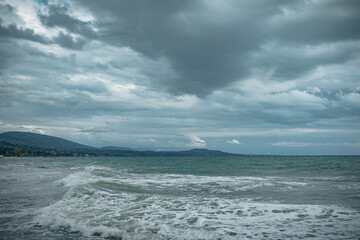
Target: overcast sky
243, 76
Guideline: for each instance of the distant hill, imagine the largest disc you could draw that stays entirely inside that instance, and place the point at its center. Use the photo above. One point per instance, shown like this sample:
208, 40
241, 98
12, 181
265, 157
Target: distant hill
33, 144
113, 148
204, 152
40, 141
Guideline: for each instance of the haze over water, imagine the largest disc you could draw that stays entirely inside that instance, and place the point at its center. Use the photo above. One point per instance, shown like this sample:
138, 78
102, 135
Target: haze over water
241, 197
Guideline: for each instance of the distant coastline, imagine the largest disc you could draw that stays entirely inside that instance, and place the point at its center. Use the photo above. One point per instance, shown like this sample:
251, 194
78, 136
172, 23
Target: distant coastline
26, 144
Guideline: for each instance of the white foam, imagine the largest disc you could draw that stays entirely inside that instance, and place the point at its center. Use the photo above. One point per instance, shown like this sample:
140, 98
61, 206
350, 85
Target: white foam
214, 184
219, 184
192, 218
95, 211
142, 216
82, 177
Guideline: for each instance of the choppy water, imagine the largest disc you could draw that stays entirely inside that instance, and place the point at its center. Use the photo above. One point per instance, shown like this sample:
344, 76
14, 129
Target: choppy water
252, 197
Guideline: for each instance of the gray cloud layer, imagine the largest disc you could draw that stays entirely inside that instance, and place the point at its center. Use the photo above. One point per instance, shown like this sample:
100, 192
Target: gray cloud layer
58, 16
210, 44
272, 75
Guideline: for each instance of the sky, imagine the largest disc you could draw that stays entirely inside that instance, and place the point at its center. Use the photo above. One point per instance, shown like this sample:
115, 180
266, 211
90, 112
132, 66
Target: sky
252, 77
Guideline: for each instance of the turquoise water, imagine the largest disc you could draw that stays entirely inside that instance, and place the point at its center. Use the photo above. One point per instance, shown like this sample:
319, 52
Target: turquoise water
245, 197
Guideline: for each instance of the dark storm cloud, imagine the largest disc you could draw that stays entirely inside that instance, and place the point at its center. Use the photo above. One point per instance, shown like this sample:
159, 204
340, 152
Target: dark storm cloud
7, 8
12, 31
62, 39
209, 43
59, 16
291, 61
320, 22
68, 41
206, 51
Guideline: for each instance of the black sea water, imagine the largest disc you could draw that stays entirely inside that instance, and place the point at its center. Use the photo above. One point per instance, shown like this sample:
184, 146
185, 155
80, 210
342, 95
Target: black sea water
244, 197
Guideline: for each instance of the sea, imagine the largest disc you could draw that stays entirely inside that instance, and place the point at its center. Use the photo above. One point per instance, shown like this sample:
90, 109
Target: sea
232, 197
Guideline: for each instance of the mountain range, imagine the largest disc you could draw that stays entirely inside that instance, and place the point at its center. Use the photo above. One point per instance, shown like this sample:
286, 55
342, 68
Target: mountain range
34, 144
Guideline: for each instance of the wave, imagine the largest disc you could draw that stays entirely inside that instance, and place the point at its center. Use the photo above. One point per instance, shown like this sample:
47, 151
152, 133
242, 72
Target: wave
103, 202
